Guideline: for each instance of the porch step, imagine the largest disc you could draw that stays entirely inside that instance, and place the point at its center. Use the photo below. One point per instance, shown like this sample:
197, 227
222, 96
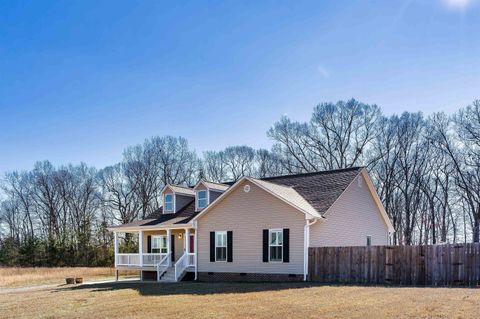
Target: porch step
169, 275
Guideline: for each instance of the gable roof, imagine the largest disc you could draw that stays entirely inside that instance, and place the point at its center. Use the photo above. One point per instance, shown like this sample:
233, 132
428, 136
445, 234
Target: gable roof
158, 220
311, 193
288, 195
319, 189
212, 185
179, 190
378, 201
284, 193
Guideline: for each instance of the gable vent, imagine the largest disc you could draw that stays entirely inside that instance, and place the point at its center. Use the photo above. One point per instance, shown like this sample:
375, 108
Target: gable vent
246, 188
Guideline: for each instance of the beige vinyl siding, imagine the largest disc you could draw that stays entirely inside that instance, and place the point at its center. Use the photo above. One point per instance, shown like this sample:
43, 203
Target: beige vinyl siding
200, 187
246, 215
179, 243
352, 218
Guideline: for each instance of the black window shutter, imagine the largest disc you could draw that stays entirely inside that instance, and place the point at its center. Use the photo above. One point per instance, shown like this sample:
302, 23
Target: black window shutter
172, 241
286, 245
212, 246
229, 246
149, 244
265, 245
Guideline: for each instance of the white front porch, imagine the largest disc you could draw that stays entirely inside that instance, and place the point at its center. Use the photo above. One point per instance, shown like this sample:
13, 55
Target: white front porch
161, 251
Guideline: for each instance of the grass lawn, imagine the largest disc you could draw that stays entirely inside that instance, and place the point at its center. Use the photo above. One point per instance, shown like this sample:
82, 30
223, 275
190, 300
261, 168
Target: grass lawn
29, 276
237, 300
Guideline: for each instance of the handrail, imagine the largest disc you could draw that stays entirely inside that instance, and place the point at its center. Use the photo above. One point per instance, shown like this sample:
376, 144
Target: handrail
183, 263
161, 268
151, 259
180, 266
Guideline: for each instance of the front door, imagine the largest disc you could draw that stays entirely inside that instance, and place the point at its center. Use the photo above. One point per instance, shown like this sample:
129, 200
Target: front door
192, 242
172, 247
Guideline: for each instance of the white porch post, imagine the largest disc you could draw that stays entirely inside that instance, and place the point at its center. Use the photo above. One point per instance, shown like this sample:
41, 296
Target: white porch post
169, 245
140, 246
115, 246
115, 250
187, 240
195, 248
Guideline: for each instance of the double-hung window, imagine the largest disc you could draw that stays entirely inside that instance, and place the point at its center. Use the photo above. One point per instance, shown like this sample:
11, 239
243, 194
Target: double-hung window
159, 244
221, 246
169, 202
202, 199
276, 244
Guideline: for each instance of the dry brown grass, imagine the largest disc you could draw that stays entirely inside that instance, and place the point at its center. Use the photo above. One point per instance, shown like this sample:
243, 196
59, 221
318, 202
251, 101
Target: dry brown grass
16, 277
235, 300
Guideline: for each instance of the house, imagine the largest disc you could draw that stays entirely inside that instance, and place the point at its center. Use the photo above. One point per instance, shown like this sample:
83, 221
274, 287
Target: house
255, 229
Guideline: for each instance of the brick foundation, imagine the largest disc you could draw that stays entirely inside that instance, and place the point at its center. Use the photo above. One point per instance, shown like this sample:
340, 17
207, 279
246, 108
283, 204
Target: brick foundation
247, 277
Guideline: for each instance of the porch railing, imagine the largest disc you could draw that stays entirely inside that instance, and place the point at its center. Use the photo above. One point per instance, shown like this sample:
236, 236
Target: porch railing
187, 260
151, 260
191, 260
148, 260
162, 266
128, 259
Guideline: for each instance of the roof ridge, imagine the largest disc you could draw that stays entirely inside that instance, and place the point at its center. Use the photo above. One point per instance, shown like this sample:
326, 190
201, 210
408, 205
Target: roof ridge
314, 173
205, 180
181, 186
269, 182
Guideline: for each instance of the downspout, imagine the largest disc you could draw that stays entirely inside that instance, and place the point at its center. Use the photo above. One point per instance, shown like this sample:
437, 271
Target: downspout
306, 244
195, 243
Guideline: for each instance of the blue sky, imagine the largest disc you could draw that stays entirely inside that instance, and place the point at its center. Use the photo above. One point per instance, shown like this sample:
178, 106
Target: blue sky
82, 80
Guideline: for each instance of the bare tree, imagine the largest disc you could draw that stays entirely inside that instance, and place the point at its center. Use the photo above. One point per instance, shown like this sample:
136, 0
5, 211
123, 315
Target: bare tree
177, 164
268, 164
337, 136
142, 167
118, 194
459, 142
214, 166
239, 161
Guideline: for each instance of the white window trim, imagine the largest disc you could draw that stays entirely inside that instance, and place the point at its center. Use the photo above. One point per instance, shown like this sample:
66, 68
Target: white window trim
160, 237
165, 203
226, 246
207, 198
371, 241
270, 231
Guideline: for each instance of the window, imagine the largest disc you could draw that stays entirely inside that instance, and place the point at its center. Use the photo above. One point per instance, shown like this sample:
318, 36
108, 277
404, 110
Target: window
169, 202
276, 244
159, 244
202, 199
369, 240
221, 246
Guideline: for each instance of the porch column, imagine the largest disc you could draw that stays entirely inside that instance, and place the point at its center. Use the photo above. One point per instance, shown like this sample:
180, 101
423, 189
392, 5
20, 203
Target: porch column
169, 245
187, 240
115, 246
195, 248
140, 246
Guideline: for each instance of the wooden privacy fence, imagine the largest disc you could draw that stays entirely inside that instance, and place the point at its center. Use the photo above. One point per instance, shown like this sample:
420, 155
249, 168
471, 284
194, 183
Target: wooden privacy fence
432, 265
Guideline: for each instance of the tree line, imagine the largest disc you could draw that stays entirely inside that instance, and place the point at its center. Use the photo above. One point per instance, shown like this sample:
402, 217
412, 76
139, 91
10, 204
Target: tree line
426, 170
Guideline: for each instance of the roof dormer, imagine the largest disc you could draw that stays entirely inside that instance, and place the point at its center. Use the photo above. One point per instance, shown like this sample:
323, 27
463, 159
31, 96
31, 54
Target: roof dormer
175, 198
206, 193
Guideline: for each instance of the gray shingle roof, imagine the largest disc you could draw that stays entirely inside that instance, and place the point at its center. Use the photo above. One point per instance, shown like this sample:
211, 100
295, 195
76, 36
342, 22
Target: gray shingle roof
319, 189
156, 218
